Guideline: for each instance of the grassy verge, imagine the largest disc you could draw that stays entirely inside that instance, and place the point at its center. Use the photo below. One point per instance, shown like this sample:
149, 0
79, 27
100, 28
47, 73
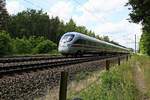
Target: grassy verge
144, 63
81, 82
119, 83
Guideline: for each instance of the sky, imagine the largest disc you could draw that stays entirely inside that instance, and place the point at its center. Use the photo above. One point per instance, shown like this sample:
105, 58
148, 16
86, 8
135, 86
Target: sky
104, 17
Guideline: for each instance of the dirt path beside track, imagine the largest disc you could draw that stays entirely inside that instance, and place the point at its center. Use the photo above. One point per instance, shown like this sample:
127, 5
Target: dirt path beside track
140, 81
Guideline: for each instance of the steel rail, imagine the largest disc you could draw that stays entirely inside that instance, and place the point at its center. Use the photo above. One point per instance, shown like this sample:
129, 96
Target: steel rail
54, 64
31, 58
23, 59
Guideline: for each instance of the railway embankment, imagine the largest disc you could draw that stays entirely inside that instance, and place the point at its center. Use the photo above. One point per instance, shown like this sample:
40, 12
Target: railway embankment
36, 83
129, 81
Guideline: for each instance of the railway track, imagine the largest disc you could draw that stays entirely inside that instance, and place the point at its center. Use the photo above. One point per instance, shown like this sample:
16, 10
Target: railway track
31, 58
14, 65
27, 58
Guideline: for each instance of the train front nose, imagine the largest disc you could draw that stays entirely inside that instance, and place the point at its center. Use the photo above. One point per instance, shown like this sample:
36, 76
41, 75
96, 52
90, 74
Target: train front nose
65, 43
63, 48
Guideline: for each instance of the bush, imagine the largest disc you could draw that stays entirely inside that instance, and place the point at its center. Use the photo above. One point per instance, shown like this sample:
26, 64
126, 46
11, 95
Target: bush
5, 43
31, 45
45, 47
22, 46
35, 40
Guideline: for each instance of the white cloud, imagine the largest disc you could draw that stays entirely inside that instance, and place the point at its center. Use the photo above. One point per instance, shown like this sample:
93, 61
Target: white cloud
99, 10
62, 9
123, 33
14, 6
104, 5
122, 26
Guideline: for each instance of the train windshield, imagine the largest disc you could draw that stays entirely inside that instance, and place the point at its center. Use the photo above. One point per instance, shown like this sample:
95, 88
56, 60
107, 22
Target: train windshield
68, 38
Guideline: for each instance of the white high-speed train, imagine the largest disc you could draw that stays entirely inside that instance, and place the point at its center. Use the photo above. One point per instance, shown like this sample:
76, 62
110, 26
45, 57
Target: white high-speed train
74, 43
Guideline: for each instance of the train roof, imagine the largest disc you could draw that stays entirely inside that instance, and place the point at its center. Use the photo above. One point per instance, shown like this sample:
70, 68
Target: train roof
94, 39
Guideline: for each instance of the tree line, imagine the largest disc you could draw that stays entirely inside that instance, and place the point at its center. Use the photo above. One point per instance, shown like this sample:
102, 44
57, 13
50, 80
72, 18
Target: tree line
30, 24
140, 13
37, 23
34, 24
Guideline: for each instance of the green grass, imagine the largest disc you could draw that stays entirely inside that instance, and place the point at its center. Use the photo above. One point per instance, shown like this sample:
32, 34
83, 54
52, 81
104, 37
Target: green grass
144, 62
119, 82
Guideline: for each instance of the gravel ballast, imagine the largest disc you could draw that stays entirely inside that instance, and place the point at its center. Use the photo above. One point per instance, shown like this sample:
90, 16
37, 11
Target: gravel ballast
27, 86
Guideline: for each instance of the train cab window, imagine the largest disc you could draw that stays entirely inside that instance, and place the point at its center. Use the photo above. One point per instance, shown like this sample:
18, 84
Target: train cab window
79, 41
68, 38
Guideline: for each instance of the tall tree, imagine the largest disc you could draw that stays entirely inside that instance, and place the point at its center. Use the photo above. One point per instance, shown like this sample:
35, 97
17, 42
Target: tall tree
140, 13
71, 26
3, 15
144, 43
140, 10
55, 29
28, 23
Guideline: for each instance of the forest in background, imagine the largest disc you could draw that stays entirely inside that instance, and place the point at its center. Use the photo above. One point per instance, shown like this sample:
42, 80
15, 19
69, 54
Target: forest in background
33, 32
33, 24
37, 23
140, 13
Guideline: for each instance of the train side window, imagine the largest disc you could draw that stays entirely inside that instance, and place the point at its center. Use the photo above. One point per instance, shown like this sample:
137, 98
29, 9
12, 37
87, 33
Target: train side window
95, 43
99, 45
90, 43
103, 45
83, 41
79, 41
